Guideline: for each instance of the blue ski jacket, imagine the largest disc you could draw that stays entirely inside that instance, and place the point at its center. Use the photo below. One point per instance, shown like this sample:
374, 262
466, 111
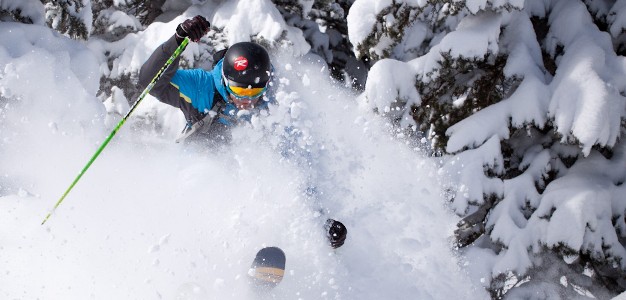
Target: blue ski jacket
194, 91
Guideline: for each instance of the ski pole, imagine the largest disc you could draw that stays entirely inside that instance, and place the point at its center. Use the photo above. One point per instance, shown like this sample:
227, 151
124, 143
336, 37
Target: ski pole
156, 78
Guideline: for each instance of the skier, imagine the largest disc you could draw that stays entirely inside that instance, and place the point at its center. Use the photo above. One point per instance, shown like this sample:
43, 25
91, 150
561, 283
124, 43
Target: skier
212, 101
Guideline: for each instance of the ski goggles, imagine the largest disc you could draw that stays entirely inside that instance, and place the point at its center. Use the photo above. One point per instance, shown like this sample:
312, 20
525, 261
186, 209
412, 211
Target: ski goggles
244, 92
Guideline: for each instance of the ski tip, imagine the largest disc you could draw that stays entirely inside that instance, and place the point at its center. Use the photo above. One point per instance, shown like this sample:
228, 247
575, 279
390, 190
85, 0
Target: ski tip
268, 268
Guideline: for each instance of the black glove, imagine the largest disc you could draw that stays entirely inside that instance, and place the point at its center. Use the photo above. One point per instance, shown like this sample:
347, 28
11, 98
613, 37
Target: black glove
194, 28
336, 233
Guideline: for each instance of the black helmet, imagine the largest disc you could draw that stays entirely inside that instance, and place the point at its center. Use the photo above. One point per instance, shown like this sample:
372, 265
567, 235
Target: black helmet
247, 64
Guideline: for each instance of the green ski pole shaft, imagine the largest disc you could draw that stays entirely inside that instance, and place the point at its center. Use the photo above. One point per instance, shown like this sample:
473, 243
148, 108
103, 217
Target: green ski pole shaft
156, 78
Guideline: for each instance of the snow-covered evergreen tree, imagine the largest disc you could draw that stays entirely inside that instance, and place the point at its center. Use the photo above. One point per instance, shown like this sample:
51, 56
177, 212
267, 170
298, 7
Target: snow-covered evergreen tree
113, 21
71, 17
324, 26
525, 100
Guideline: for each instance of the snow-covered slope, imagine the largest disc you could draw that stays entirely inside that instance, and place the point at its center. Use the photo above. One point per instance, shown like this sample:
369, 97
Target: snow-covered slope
153, 219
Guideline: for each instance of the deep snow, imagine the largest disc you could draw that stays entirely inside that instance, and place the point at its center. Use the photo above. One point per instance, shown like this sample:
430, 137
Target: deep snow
153, 219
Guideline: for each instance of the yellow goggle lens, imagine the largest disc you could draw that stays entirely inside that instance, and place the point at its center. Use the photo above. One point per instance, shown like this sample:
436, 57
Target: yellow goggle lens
246, 92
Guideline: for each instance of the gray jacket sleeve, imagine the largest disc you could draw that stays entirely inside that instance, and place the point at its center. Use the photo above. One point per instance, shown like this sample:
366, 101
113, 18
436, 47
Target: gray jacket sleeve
162, 90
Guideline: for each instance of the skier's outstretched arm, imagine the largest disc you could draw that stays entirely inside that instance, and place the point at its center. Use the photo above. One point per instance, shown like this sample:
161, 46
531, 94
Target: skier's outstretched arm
194, 29
162, 89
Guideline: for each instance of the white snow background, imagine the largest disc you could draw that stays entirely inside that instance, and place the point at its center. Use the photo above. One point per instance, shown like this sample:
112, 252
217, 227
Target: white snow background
152, 219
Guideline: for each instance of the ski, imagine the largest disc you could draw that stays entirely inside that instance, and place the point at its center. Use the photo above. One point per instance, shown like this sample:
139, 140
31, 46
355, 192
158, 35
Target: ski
196, 127
268, 268
203, 125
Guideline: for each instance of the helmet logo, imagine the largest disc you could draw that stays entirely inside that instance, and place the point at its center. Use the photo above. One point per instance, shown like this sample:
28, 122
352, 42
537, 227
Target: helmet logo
241, 63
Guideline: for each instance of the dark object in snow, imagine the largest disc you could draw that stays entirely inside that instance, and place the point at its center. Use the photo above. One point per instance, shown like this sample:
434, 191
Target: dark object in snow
268, 268
336, 233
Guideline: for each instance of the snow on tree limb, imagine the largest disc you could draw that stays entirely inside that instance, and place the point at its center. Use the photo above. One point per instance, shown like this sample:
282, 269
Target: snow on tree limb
384, 88
27, 11
475, 36
469, 166
270, 26
589, 79
582, 201
581, 82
